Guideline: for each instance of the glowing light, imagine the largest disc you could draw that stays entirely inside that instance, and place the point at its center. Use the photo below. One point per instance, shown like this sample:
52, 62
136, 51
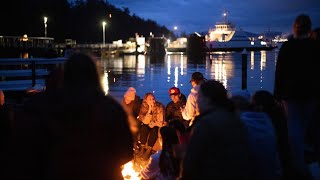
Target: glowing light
176, 76
105, 83
104, 32
45, 20
128, 172
252, 60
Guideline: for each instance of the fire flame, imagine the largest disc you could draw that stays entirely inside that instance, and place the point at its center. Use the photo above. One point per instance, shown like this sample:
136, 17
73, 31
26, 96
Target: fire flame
128, 172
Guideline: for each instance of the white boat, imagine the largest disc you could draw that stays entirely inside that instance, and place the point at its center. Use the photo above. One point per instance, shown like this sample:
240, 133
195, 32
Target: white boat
226, 37
177, 46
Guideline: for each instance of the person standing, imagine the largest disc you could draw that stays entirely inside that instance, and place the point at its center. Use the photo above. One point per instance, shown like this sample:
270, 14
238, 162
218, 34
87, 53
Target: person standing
296, 88
191, 109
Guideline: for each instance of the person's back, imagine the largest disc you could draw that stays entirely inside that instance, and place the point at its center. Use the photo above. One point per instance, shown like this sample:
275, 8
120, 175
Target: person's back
218, 146
296, 64
296, 88
263, 145
73, 133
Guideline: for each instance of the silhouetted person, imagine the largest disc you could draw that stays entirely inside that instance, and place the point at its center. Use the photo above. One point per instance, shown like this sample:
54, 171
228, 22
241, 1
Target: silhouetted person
218, 146
295, 87
76, 133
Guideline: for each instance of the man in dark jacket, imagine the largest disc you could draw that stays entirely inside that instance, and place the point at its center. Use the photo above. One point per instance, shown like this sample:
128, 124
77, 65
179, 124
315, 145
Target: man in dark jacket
173, 109
295, 87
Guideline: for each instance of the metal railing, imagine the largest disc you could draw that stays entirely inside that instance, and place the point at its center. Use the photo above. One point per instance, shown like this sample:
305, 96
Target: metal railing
19, 68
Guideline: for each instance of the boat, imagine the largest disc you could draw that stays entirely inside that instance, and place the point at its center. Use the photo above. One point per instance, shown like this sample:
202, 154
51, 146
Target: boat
177, 46
225, 36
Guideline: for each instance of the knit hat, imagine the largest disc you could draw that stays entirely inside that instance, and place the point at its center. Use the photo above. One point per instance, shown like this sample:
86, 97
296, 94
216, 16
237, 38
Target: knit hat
130, 93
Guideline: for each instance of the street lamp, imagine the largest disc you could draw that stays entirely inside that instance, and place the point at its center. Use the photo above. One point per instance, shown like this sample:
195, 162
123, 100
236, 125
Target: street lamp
175, 28
45, 19
104, 32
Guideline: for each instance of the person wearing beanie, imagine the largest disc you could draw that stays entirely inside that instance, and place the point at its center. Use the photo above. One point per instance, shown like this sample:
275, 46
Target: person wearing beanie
132, 103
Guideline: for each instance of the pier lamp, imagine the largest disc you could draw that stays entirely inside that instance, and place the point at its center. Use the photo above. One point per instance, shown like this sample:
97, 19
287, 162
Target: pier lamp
104, 32
175, 28
45, 19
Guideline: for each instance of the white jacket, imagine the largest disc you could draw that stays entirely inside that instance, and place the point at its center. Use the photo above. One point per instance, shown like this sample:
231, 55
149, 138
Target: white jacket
191, 109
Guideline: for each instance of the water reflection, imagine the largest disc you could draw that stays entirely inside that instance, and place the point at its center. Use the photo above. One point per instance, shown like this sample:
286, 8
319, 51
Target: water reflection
158, 74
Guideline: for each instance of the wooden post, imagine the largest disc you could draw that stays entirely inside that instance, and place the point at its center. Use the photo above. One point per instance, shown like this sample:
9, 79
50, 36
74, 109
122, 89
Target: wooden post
244, 69
33, 67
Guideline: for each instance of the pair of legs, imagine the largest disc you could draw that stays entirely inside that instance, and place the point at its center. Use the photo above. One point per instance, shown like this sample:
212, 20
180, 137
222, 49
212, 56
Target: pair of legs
148, 134
301, 117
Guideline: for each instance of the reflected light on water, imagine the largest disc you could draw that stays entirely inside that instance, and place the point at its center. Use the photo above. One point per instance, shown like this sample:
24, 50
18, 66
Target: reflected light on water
263, 60
181, 65
141, 64
105, 82
169, 65
129, 62
252, 60
176, 76
220, 70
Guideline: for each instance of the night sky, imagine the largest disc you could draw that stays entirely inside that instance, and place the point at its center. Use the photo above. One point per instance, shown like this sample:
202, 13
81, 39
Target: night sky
199, 15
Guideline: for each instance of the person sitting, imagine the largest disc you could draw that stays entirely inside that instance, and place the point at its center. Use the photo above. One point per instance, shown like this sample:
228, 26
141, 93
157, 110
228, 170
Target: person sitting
173, 108
151, 116
191, 110
218, 145
163, 164
264, 101
132, 103
262, 139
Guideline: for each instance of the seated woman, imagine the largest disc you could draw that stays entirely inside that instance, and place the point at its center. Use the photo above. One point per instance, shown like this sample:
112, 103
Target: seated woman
151, 115
162, 164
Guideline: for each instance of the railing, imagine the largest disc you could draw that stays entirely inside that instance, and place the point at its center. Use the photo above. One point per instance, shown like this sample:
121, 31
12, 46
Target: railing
19, 74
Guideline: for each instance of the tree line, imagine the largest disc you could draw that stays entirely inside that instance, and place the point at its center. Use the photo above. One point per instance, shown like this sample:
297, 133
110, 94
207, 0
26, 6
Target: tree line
80, 20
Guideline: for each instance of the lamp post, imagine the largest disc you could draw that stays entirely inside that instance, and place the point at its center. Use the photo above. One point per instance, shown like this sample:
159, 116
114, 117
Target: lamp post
175, 28
45, 19
104, 32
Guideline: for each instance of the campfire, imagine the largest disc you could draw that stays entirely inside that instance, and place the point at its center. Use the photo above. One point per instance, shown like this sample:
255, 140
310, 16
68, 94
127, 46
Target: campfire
129, 171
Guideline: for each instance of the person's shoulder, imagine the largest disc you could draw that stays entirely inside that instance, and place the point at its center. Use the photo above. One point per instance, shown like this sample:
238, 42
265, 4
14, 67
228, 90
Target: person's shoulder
170, 104
183, 97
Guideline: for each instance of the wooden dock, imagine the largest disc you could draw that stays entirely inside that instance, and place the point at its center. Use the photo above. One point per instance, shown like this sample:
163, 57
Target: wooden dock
17, 74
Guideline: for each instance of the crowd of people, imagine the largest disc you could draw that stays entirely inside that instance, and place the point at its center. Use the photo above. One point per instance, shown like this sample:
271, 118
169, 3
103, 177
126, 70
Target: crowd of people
72, 130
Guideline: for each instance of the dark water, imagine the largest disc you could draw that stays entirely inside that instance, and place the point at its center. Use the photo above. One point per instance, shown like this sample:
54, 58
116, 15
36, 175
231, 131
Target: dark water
159, 74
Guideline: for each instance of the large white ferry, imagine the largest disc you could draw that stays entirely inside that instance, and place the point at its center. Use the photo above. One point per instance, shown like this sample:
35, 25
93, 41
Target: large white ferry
226, 37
